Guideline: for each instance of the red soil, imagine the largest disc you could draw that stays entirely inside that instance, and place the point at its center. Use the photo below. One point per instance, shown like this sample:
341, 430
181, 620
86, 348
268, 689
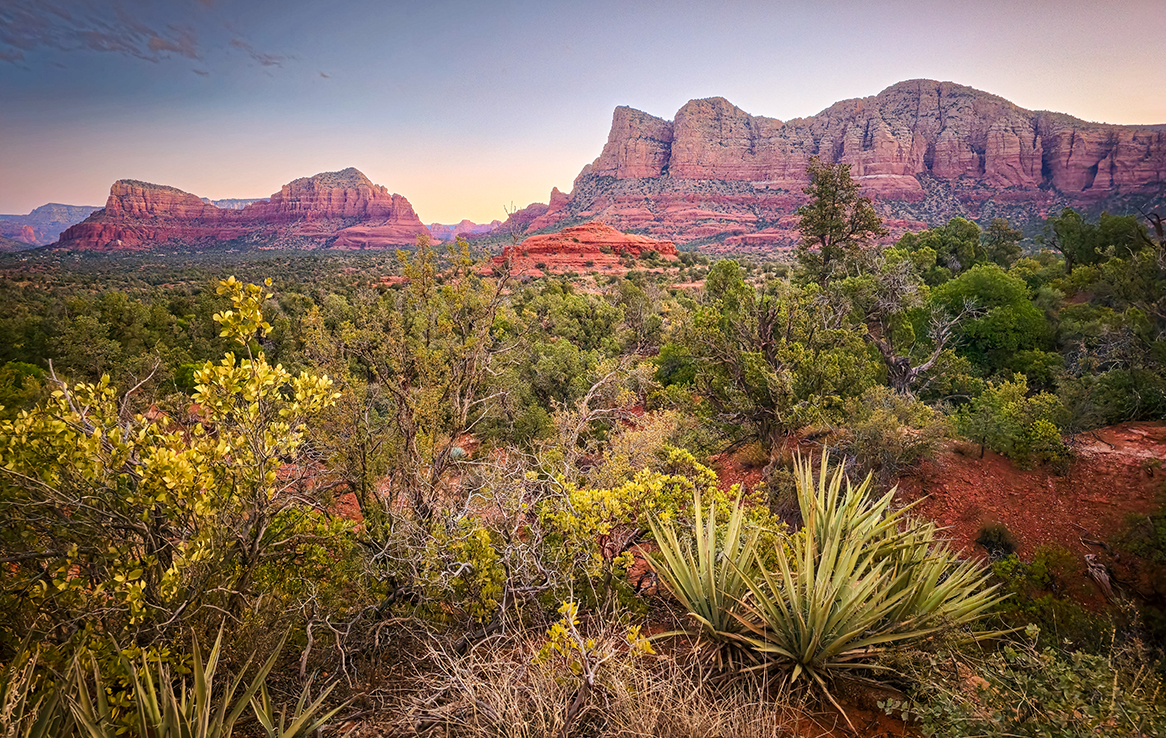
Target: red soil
1116, 472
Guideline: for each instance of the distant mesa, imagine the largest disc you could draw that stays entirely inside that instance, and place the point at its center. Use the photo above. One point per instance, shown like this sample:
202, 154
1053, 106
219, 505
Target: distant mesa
43, 225
466, 228
585, 248
340, 210
924, 151
232, 203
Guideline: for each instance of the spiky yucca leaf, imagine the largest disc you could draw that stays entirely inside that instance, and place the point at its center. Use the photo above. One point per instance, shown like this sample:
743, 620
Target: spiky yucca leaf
305, 719
194, 710
856, 581
712, 579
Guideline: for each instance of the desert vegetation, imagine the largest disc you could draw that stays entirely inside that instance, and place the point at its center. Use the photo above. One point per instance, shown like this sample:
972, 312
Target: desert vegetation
294, 494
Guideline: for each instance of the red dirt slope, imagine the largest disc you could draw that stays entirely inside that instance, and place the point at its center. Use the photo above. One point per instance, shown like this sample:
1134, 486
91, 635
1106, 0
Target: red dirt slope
1116, 471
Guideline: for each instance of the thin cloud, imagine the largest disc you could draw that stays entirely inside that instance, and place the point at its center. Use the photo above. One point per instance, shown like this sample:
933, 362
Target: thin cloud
184, 42
115, 28
267, 60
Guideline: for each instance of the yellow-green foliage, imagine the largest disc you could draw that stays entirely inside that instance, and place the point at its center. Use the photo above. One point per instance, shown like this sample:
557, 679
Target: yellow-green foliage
122, 522
462, 569
633, 447
565, 642
594, 527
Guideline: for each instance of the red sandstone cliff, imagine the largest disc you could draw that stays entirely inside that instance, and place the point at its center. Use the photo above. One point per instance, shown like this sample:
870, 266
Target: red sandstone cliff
925, 151
586, 247
337, 209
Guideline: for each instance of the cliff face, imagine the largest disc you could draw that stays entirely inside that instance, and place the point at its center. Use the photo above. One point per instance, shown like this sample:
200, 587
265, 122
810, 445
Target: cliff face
336, 209
925, 151
44, 224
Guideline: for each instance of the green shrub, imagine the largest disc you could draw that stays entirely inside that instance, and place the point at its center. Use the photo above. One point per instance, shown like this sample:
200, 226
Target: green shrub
1043, 591
1023, 691
887, 432
1010, 421
997, 540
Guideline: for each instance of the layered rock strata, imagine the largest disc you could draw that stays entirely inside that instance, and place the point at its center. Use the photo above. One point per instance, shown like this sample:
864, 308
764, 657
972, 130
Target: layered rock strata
925, 151
341, 210
44, 224
587, 247
465, 228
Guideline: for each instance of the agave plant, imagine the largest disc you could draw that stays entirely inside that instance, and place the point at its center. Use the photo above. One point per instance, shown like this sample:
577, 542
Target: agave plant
712, 580
856, 581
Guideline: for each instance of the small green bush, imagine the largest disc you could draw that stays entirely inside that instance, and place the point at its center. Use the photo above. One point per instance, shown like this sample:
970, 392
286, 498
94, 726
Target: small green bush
997, 540
1023, 691
887, 432
1010, 421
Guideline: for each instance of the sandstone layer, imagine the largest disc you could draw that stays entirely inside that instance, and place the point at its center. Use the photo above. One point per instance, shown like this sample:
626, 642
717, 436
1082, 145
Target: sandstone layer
341, 210
587, 247
465, 228
924, 151
44, 224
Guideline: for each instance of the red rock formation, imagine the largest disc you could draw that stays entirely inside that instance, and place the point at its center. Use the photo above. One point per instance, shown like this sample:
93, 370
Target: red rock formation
925, 151
44, 224
588, 247
466, 229
338, 209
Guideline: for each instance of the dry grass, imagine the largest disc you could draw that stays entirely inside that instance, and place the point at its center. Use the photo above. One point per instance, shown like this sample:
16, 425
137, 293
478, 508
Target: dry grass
498, 689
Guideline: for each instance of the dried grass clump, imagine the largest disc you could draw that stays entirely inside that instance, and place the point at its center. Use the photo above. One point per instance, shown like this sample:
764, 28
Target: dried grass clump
500, 690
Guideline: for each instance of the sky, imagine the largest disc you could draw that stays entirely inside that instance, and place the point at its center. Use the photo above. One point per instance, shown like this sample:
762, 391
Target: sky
470, 108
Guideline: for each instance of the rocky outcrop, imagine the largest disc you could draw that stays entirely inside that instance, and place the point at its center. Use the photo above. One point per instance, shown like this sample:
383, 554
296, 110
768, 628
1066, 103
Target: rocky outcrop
925, 151
334, 209
466, 229
44, 224
232, 203
586, 247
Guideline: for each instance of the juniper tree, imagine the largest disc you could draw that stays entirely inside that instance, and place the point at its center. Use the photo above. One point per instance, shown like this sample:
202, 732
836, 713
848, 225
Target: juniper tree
837, 225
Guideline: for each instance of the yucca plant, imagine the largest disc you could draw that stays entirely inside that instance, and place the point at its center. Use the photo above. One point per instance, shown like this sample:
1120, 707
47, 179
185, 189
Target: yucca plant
192, 710
31, 707
709, 571
304, 719
855, 582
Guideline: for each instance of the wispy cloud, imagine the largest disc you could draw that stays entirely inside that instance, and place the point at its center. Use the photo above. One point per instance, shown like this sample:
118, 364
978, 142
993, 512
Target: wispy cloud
267, 60
31, 25
184, 42
28, 26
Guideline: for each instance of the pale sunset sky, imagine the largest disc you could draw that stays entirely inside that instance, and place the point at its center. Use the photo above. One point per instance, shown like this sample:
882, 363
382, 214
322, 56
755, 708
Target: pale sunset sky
466, 108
